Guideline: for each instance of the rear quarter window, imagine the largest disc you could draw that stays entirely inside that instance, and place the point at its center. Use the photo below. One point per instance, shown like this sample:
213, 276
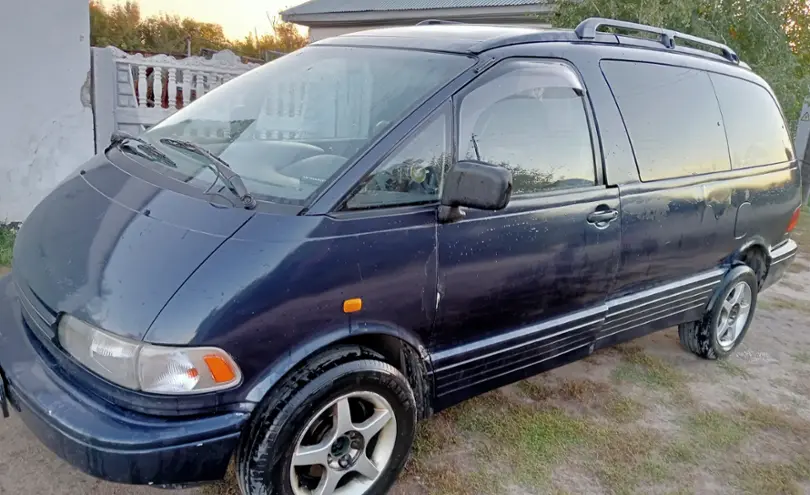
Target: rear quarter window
672, 118
755, 127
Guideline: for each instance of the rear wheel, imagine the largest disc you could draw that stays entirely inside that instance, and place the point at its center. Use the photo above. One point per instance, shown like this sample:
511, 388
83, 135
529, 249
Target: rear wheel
339, 426
723, 326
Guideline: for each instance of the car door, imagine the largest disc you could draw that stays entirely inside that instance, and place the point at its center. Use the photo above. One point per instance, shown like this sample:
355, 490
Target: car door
676, 215
523, 289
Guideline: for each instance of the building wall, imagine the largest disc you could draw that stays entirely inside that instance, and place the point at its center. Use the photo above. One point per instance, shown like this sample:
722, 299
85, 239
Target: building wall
319, 33
46, 130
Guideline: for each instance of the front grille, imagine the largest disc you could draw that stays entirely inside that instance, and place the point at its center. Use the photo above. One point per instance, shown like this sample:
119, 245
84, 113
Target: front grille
40, 320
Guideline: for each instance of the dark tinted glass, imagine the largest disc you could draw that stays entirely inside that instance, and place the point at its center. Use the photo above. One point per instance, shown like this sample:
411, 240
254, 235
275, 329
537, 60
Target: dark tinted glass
413, 173
672, 117
531, 120
756, 130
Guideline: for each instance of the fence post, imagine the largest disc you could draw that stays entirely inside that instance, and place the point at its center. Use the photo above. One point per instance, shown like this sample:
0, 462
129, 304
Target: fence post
104, 90
803, 130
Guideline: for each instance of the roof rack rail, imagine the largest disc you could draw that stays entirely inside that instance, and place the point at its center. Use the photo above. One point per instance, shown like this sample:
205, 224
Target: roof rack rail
586, 30
432, 22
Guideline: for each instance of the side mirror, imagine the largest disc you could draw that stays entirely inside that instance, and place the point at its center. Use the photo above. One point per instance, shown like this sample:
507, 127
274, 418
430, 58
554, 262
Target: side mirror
474, 184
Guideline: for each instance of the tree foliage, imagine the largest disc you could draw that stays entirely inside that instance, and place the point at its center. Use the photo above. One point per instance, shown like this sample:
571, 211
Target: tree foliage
772, 36
284, 38
123, 26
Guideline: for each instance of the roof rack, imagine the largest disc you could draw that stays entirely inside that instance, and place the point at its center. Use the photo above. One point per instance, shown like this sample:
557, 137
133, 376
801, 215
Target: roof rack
586, 30
432, 22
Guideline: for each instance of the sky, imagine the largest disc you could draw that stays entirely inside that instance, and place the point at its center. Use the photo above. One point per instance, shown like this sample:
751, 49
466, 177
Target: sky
237, 17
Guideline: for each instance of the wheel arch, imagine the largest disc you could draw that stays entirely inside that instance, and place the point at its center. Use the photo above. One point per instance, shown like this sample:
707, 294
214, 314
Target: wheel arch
756, 254
735, 272
399, 347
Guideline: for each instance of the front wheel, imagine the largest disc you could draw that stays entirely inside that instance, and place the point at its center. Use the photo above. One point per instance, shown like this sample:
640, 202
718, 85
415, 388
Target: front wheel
347, 431
723, 326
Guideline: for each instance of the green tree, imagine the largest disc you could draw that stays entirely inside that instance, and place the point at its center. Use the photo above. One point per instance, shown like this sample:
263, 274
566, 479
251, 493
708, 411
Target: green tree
798, 29
117, 25
770, 35
122, 26
284, 38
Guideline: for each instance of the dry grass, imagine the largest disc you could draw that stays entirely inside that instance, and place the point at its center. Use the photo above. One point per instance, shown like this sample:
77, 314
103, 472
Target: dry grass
784, 303
766, 417
597, 396
6, 245
733, 369
802, 357
650, 371
716, 430
768, 477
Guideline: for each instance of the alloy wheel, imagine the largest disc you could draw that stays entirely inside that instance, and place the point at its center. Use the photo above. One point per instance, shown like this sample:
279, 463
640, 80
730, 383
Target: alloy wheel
345, 446
733, 315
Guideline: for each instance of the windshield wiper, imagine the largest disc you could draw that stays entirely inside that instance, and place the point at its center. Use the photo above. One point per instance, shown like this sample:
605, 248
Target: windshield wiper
121, 138
232, 180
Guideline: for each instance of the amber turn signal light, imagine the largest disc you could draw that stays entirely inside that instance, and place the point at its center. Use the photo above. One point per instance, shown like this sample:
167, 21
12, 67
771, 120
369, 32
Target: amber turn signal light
220, 369
352, 305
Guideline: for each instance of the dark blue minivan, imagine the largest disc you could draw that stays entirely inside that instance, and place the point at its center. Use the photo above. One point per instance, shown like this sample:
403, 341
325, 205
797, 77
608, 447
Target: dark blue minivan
296, 268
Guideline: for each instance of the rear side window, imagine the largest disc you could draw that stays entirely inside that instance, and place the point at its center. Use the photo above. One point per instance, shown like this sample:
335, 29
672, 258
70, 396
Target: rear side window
754, 125
672, 117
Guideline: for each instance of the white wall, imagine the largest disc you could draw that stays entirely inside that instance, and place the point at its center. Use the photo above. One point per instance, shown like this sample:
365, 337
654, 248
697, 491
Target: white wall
46, 120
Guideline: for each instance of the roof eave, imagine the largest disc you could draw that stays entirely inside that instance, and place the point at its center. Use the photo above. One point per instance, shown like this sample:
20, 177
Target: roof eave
489, 14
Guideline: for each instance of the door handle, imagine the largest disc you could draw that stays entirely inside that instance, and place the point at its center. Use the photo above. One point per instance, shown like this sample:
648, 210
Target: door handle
601, 218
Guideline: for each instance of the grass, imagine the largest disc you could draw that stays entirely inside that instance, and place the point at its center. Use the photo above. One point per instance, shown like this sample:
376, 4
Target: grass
801, 357
773, 477
681, 451
643, 369
597, 395
717, 430
523, 441
757, 478
784, 302
767, 417
733, 369
6, 245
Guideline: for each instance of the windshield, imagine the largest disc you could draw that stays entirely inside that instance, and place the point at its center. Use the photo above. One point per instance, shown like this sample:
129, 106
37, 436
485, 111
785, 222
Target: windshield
287, 127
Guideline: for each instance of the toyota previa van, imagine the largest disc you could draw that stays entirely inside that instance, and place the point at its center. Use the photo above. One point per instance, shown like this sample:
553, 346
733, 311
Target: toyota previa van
293, 270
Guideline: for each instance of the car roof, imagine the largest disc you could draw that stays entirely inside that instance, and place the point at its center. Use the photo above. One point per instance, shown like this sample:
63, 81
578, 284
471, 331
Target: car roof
471, 39
454, 38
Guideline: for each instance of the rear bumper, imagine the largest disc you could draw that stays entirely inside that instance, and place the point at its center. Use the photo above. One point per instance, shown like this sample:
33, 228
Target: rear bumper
781, 258
101, 439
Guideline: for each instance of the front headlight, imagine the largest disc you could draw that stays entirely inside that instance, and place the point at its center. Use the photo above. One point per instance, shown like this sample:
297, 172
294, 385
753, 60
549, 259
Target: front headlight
150, 368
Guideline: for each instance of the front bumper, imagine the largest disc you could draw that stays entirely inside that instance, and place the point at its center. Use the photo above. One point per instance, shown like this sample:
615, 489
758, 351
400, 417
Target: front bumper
97, 437
781, 258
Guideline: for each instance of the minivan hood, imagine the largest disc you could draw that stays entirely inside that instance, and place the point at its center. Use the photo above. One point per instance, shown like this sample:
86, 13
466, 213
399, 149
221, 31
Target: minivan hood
111, 248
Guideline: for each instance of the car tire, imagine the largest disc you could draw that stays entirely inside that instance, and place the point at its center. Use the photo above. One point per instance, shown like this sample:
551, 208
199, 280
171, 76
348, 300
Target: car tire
726, 322
323, 417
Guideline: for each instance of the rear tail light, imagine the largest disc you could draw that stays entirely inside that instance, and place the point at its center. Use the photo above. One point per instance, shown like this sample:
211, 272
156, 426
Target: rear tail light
794, 220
